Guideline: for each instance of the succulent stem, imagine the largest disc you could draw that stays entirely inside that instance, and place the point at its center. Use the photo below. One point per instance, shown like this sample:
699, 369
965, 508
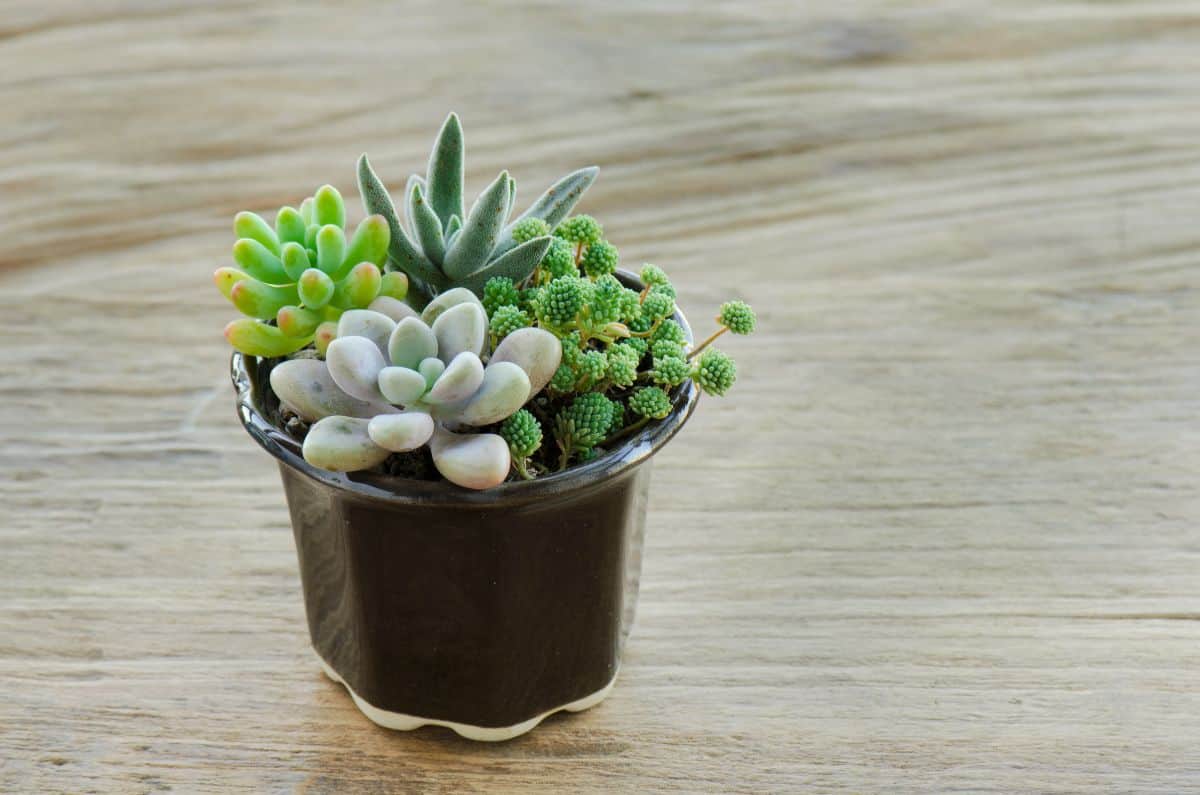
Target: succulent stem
711, 338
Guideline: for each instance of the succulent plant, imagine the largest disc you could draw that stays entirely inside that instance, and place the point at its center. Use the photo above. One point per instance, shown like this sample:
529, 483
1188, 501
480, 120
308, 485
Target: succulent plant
389, 387
302, 273
445, 247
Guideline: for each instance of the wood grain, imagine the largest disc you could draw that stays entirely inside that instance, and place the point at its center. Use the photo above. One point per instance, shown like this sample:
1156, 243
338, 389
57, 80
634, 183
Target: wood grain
943, 535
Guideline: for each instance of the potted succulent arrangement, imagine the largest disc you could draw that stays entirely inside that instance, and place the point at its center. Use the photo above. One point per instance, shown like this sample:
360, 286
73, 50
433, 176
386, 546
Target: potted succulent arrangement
463, 408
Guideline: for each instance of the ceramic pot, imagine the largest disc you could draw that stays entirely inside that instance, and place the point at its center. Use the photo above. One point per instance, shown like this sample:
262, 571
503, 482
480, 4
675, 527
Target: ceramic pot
482, 611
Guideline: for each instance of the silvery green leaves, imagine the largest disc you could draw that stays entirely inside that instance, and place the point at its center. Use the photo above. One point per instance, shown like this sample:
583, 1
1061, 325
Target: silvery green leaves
303, 273
388, 386
445, 247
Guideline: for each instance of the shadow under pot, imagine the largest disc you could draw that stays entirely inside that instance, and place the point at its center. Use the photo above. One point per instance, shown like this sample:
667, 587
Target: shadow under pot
482, 611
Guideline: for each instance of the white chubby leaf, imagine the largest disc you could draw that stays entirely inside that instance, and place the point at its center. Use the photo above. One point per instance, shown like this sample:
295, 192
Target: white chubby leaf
460, 328
505, 389
401, 432
342, 445
354, 363
375, 326
473, 461
534, 350
306, 387
411, 342
394, 308
401, 386
461, 379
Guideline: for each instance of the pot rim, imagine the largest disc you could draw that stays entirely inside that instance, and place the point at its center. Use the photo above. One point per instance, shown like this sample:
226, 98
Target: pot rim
633, 452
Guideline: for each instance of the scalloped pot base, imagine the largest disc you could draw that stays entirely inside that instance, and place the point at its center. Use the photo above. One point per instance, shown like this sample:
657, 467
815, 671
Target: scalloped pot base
487, 734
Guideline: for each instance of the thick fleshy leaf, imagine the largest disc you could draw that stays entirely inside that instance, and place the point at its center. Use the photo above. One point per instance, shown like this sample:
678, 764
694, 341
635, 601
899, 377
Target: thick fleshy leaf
307, 388
296, 322
427, 226
256, 299
552, 206
403, 254
413, 180
479, 232
290, 225
328, 207
432, 368
411, 343
295, 259
369, 243
473, 461
251, 225
225, 278
534, 350
359, 288
259, 261
401, 432
517, 264
452, 297
258, 339
401, 386
460, 328
375, 326
444, 177
396, 310
342, 444
394, 285
331, 250
315, 288
326, 333
354, 363
505, 389
462, 378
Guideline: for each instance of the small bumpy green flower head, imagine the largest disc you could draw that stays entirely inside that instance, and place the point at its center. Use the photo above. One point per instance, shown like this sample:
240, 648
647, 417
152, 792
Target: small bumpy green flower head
650, 402
523, 434
640, 324
600, 259
666, 288
631, 304
506, 320
529, 228
587, 420
527, 299
658, 304
670, 371
607, 295
662, 349
622, 364
561, 301
652, 274
580, 229
564, 378
559, 260
715, 372
638, 344
670, 330
500, 291
737, 316
592, 366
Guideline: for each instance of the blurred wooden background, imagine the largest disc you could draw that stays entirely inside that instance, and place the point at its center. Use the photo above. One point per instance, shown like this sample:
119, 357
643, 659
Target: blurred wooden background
943, 535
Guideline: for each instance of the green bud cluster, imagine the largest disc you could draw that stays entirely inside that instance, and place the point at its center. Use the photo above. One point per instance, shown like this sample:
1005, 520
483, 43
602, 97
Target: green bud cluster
528, 228
558, 262
650, 402
715, 372
584, 423
560, 301
580, 229
600, 259
499, 291
737, 316
505, 320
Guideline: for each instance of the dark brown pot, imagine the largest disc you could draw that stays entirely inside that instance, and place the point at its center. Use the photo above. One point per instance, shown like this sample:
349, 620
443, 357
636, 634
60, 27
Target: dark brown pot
483, 611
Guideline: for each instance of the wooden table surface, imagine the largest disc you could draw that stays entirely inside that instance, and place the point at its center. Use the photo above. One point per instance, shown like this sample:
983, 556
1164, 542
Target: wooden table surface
942, 536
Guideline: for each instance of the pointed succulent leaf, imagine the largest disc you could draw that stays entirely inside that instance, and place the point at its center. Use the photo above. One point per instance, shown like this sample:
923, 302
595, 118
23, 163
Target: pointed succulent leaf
450, 298
505, 389
553, 205
342, 444
512, 197
258, 339
401, 251
256, 299
444, 176
432, 368
517, 264
534, 350
394, 285
375, 326
473, 461
296, 322
290, 225
252, 226
295, 259
306, 387
369, 243
396, 310
462, 378
354, 363
315, 288
328, 207
413, 181
359, 288
258, 261
401, 386
331, 250
427, 226
479, 232
460, 328
452, 229
401, 432
411, 343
